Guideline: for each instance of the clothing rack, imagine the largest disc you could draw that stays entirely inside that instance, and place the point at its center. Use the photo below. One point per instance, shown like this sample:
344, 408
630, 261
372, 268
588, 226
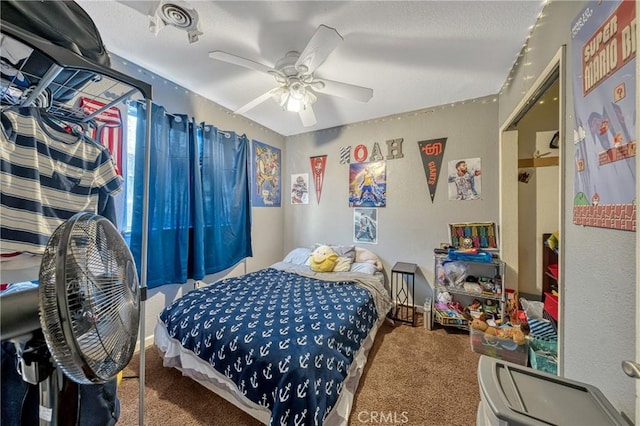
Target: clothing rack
115, 87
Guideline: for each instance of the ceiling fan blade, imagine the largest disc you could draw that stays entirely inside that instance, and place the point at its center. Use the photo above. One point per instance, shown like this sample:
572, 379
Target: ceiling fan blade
243, 62
343, 90
322, 43
257, 101
307, 116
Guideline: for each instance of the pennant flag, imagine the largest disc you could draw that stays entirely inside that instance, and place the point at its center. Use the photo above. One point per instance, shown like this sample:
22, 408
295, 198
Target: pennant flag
318, 165
109, 132
432, 152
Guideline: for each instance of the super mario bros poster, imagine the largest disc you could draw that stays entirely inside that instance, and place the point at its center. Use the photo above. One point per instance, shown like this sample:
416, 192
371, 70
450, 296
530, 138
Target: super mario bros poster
603, 57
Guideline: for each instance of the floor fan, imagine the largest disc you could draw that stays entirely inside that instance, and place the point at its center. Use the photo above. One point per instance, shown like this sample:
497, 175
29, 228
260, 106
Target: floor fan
89, 304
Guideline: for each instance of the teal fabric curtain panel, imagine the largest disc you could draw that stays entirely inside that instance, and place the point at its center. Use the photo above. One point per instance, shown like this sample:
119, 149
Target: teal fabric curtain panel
199, 212
224, 157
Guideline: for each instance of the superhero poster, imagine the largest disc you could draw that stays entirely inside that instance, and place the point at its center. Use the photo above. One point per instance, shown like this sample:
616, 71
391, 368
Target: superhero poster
368, 184
603, 57
265, 169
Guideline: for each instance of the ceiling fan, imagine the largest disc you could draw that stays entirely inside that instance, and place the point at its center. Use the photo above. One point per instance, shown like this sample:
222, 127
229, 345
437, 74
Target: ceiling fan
294, 74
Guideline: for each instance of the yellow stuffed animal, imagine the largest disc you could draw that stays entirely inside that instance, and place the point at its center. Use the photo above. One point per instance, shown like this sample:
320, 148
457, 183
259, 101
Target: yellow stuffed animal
323, 259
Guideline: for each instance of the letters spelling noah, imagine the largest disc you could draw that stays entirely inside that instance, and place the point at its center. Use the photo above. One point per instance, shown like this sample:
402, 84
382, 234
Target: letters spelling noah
394, 151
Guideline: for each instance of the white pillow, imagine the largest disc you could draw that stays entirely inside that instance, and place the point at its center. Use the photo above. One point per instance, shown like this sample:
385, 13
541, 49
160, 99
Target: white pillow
346, 251
363, 255
298, 256
364, 268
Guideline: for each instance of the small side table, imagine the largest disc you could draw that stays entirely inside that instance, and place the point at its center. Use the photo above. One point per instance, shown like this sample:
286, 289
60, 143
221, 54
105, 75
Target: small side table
405, 272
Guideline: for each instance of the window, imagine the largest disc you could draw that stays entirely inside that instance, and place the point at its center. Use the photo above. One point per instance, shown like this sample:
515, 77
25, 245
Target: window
129, 169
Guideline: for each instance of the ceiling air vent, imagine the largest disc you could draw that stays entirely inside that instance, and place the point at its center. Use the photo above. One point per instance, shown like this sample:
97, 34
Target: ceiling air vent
178, 14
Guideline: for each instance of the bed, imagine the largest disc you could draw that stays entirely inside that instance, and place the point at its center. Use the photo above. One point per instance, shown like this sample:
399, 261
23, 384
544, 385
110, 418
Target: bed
285, 344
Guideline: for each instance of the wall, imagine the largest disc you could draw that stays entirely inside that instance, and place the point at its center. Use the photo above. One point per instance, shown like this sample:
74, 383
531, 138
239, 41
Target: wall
410, 226
267, 223
599, 264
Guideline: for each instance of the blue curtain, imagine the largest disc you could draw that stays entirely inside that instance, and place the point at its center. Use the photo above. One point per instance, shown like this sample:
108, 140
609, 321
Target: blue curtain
226, 218
169, 196
199, 216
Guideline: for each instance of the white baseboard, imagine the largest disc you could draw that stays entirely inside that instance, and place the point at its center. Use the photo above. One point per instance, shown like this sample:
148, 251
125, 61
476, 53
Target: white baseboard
148, 341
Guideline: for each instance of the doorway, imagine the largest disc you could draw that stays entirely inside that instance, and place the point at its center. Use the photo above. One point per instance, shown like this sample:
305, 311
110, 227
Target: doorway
531, 186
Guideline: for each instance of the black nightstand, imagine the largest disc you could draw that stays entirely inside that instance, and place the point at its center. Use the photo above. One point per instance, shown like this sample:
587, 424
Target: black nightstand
402, 273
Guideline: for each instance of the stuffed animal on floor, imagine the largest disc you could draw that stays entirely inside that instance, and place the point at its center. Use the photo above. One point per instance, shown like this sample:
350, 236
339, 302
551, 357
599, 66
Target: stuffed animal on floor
517, 334
323, 259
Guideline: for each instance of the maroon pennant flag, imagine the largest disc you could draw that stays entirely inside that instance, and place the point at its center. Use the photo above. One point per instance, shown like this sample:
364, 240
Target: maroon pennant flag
432, 152
317, 170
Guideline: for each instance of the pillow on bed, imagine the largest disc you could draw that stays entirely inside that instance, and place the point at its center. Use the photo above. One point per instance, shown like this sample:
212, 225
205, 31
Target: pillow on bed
364, 268
367, 256
323, 259
299, 256
343, 264
346, 251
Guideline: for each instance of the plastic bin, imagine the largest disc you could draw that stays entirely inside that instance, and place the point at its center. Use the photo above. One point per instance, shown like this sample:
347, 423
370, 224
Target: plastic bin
514, 395
551, 305
505, 349
543, 355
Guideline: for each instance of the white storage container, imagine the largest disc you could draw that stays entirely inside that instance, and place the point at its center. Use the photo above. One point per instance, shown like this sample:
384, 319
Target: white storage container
513, 395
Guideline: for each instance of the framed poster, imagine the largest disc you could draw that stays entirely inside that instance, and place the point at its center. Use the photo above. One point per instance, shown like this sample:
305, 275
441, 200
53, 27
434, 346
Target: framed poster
368, 184
365, 225
265, 172
300, 188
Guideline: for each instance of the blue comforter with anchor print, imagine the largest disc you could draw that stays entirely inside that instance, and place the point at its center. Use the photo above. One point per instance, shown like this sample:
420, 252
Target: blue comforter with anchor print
287, 341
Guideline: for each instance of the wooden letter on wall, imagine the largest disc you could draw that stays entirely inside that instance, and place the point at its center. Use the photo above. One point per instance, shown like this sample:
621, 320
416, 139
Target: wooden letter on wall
360, 153
394, 149
376, 154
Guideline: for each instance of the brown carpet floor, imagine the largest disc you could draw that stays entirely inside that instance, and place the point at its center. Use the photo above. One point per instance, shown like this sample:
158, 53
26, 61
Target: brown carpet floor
413, 377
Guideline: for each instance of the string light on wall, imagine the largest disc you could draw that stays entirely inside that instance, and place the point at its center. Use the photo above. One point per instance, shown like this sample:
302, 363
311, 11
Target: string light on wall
523, 58
397, 117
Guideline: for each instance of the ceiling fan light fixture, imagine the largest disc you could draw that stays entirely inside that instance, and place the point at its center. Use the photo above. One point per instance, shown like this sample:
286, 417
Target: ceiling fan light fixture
294, 75
293, 104
297, 98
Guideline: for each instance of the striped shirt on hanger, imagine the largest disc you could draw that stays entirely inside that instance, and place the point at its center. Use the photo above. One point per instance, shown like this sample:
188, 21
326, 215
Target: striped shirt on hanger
46, 176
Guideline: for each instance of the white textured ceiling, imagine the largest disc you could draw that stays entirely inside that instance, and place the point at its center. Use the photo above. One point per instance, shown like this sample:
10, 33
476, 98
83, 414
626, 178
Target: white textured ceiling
413, 54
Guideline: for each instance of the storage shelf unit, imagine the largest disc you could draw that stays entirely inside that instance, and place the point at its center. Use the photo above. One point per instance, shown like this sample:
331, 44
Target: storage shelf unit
490, 273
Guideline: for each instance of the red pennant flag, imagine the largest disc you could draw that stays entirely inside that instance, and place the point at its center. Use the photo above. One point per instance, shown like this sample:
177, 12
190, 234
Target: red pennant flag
432, 151
318, 165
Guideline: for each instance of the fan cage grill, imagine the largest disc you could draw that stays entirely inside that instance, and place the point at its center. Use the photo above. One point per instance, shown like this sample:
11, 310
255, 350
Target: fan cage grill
89, 299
